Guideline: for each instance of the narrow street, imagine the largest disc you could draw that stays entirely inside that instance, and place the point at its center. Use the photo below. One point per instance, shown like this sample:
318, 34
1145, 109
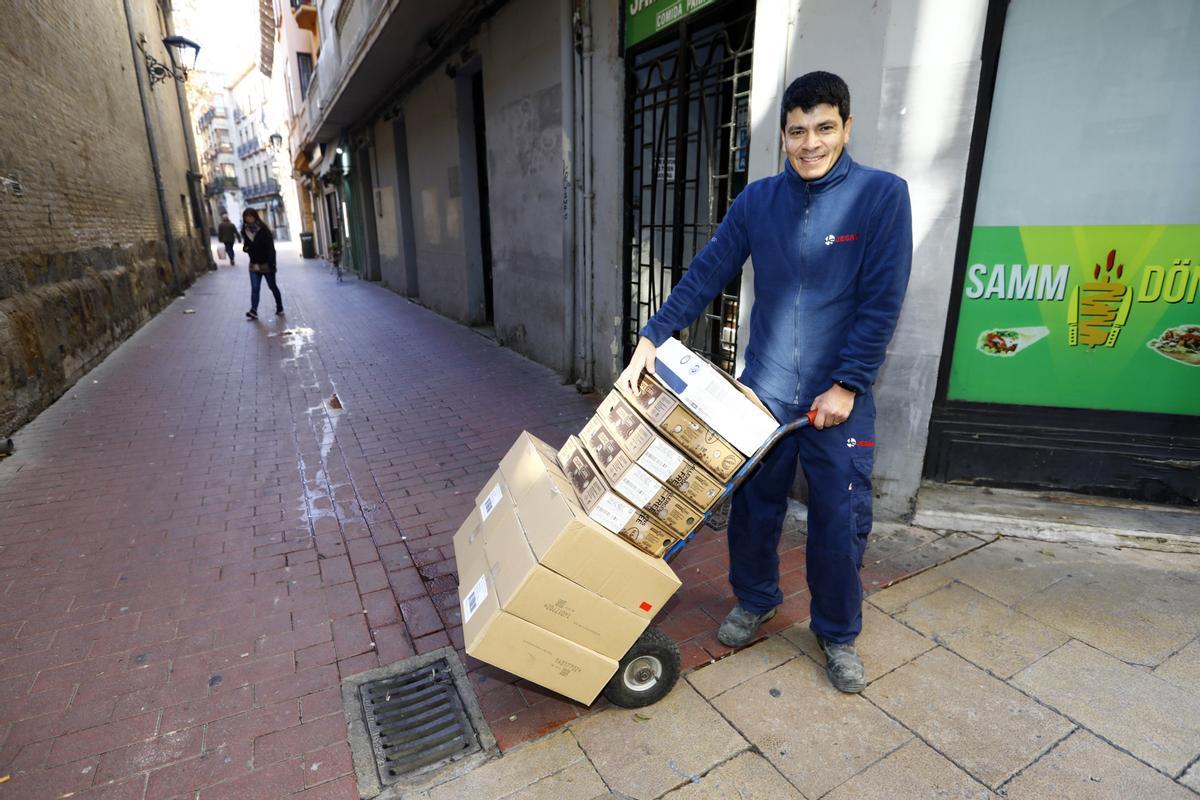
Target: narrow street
195, 545
226, 518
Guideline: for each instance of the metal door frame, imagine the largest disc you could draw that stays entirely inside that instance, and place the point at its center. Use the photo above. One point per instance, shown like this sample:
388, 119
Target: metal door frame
716, 51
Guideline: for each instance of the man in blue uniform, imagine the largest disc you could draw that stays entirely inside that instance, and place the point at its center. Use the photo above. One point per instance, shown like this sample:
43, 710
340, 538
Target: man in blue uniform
831, 242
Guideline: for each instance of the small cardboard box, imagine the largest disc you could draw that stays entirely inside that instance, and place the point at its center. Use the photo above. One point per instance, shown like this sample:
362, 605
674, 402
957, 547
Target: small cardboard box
607, 507
539, 595
566, 540
725, 405
683, 428
635, 484
518, 646
652, 453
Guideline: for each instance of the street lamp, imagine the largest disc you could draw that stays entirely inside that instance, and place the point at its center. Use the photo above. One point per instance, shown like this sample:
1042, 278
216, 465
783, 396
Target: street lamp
276, 142
159, 71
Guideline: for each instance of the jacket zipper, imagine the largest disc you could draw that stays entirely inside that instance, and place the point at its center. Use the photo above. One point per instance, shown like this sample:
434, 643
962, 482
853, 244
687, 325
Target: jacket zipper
796, 308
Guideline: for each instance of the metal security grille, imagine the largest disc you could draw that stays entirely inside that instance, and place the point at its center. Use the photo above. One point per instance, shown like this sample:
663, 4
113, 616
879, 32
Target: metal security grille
416, 721
686, 159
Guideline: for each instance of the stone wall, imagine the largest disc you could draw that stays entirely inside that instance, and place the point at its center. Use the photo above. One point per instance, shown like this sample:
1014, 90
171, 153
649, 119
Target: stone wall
83, 258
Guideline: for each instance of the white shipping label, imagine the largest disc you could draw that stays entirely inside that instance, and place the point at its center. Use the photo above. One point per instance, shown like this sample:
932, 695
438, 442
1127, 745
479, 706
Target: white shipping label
490, 502
661, 460
638, 486
612, 512
474, 598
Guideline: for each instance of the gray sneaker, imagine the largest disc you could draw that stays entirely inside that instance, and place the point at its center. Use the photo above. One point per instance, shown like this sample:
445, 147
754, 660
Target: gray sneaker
740, 627
844, 667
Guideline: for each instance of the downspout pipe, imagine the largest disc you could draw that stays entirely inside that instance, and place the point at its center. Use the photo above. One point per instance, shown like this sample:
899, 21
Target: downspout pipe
589, 376
193, 175
172, 252
567, 51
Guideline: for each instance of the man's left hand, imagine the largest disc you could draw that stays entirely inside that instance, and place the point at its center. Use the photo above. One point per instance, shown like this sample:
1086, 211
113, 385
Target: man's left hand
833, 407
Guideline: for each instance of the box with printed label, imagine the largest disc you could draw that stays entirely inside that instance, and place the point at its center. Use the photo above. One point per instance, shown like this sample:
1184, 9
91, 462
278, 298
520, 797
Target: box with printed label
725, 405
606, 506
539, 595
567, 541
504, 640
652, 453
682, 428
635, 484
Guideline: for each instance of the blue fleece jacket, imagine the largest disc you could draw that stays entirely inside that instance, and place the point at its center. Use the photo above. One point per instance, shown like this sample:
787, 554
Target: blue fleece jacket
831, 263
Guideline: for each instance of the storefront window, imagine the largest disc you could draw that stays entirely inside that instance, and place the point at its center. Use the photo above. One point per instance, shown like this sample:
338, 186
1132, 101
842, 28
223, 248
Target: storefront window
1082, 284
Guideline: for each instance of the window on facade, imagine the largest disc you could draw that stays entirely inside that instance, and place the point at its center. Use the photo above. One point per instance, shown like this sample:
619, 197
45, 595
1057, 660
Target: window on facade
1082, 287
304, 64
227, 170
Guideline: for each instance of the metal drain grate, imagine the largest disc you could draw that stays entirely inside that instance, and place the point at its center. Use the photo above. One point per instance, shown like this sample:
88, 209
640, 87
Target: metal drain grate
416, 721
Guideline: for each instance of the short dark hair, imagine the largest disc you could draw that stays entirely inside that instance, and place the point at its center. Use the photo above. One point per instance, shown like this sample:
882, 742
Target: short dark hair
811, 90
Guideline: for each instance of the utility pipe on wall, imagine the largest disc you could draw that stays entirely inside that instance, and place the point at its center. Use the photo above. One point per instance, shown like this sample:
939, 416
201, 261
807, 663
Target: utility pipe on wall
172, 253
585, 277
567, 54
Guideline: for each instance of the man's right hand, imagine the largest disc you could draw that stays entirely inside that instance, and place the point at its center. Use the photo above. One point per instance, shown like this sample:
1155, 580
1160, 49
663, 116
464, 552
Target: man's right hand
643, 359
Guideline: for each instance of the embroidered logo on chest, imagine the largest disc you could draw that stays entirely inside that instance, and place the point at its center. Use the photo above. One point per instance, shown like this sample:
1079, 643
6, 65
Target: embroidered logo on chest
833, 239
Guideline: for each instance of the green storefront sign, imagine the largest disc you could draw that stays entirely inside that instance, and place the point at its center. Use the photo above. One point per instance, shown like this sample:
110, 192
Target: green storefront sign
644, 18
1081, 317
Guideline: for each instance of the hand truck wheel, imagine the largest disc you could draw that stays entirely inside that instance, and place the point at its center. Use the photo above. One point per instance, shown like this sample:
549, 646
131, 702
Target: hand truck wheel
647, 672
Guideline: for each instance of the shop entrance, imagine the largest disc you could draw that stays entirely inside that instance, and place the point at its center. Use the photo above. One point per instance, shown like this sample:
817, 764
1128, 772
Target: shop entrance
686, 159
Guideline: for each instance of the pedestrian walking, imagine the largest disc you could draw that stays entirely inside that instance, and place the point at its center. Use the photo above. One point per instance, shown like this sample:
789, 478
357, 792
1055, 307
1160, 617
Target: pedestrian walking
831, 241
227, 234
259, 244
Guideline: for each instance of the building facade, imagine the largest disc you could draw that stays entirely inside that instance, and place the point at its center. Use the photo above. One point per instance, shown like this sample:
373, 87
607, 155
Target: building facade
103, 215
547, 170
218, 159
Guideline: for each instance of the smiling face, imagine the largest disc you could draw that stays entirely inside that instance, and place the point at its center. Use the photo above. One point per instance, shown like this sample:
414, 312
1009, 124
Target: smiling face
814, 139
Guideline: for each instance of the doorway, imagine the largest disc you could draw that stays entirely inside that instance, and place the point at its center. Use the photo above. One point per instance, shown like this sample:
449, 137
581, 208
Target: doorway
473, 183
686, 159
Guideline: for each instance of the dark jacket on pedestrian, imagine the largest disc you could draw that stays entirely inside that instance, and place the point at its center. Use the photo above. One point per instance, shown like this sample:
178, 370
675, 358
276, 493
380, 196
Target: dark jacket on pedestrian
227, 232
260, 246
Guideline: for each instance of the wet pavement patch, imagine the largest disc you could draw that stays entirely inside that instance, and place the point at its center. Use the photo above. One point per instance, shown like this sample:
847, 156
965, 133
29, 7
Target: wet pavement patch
414, 723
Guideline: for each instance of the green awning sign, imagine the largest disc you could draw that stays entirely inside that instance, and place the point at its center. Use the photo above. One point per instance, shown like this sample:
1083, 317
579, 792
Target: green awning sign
644, 18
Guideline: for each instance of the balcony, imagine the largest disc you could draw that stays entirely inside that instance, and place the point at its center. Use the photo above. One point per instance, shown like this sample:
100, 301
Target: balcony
218, 185
305, 14
246, 148
258, 190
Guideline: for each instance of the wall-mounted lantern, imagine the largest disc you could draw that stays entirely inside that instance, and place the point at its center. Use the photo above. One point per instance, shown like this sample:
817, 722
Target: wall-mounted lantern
178, 70
276, 142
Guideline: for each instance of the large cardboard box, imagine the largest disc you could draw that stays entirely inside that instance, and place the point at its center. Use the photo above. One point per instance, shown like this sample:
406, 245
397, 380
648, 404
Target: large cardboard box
652, 453
725, 405
565, 540
506, 641
539, 595
635, 484
607, 507
683, 428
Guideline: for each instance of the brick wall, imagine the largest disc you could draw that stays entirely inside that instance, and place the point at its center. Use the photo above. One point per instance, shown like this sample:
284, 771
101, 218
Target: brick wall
83, 260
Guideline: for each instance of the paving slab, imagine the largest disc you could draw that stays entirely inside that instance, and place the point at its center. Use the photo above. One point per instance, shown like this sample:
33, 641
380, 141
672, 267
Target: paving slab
915, 770
644, 753
813, 734
1153, 719
1139, 606
1183, 668
981, 724
984, 631
743, 665
884, 644
747, 777
518, 770
1085, 767
1191, 778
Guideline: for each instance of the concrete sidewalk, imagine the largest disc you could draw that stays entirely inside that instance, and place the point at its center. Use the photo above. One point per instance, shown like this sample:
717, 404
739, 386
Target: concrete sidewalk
1020, 670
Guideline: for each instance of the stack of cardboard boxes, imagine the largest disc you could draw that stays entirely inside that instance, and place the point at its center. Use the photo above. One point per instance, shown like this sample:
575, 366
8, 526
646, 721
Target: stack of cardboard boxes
561, 562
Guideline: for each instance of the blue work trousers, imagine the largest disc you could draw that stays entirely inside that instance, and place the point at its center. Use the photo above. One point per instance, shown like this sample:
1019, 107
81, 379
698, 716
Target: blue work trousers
837, 463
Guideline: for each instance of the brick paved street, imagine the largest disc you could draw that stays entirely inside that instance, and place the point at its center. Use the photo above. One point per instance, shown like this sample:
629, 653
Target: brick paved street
196, 544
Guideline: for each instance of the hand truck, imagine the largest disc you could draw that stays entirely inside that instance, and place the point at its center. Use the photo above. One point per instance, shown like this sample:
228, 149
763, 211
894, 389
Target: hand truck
650, 669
